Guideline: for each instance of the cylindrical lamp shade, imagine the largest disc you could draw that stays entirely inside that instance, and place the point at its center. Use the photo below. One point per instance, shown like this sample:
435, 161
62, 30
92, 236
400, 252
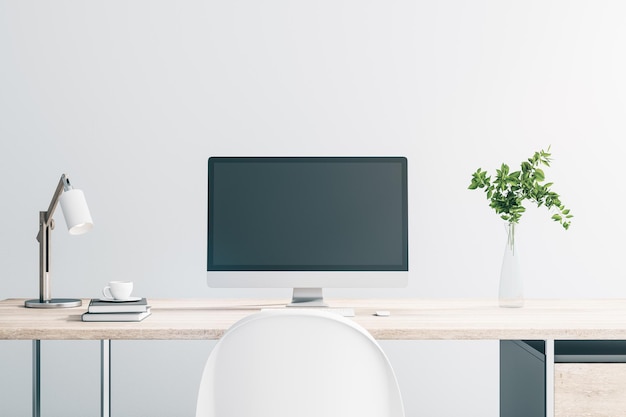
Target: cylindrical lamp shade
76, 212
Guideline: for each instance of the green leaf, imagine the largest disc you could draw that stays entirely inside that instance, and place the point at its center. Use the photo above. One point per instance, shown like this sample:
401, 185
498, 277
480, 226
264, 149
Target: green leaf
504, 169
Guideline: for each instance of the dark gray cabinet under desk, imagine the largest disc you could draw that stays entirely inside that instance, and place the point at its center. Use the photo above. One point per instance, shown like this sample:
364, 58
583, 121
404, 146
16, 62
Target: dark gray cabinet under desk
522, 378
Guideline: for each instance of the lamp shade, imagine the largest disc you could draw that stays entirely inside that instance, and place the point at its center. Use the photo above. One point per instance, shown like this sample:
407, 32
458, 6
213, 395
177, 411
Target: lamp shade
76, 212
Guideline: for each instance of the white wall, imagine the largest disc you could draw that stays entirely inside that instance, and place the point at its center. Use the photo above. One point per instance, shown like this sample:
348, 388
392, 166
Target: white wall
131, 98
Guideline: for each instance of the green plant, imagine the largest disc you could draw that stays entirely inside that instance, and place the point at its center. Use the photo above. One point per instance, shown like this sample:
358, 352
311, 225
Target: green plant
508, 190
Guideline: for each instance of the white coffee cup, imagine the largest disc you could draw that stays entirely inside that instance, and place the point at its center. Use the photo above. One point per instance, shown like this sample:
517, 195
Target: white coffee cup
118, 290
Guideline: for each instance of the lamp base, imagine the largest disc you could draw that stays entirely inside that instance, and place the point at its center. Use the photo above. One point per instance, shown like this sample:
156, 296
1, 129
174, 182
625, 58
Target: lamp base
54, 303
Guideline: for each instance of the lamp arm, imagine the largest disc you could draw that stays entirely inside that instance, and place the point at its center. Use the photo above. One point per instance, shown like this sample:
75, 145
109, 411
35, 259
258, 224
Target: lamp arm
64, 184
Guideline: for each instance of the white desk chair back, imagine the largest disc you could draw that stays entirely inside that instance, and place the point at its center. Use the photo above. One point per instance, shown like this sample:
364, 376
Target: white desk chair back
298, 364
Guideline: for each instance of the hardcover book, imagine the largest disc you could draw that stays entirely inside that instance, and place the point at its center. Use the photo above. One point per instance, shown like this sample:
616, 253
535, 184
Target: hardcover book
98, 306
136, 316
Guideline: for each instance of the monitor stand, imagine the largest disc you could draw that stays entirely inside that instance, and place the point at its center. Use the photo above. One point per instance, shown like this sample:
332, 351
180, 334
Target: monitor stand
307, 297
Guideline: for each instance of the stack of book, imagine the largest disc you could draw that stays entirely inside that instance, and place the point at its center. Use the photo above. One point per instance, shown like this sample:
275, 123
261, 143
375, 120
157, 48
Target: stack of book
101, 310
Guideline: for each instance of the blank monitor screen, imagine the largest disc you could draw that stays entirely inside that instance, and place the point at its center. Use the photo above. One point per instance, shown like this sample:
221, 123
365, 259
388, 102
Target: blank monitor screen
289, 214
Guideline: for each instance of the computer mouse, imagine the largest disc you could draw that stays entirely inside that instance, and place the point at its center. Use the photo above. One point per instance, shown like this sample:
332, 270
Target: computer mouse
382, 313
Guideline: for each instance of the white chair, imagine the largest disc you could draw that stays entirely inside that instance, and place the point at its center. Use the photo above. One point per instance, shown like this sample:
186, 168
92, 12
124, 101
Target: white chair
298, 364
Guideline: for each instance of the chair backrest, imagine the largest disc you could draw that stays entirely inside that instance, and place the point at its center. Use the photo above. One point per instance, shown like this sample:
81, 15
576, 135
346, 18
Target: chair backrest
298, 364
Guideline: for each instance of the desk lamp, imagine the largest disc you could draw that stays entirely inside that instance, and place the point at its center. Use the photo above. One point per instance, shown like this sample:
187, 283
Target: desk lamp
78, 221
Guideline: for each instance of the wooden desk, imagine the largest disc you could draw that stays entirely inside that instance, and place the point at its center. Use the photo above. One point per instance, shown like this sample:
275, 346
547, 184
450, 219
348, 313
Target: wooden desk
410, 319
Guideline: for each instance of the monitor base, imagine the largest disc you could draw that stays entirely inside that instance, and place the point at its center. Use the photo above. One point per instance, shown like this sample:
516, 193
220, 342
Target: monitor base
307, 297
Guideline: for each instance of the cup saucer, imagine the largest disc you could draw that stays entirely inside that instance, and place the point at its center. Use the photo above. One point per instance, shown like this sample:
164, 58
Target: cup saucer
121, 300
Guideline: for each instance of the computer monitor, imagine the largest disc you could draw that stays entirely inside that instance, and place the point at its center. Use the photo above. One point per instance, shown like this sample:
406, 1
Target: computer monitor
307, 223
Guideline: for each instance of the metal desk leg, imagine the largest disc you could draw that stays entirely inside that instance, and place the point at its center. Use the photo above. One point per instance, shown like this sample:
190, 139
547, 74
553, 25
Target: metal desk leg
105, 378
36, 378
550, 378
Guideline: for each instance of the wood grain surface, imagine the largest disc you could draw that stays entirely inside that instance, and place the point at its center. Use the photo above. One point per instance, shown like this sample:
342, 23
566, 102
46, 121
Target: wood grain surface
589, 389
410, 319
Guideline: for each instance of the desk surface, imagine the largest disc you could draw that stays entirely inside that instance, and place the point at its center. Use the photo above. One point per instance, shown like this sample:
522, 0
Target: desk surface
410, 319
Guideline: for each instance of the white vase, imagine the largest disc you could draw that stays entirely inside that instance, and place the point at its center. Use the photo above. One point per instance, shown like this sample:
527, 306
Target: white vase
511, 284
